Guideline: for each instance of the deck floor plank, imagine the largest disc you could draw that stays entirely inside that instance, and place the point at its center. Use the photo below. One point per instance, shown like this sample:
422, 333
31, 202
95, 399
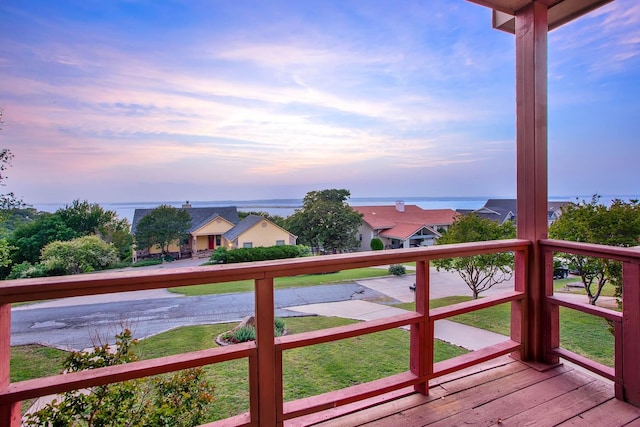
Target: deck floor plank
505, 393
564, 407
519, 401
468, 398
611, 413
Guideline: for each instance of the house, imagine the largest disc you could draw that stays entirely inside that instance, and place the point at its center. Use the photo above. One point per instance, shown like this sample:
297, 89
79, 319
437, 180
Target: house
208, 225
503, 210
402, 226
254, 231
213, 227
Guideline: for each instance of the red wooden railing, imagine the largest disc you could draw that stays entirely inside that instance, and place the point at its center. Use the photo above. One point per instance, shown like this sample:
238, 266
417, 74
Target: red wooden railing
265, 355
625, 373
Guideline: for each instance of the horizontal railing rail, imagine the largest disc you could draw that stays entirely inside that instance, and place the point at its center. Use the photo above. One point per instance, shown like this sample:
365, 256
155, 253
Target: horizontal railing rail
266, 404
625, 324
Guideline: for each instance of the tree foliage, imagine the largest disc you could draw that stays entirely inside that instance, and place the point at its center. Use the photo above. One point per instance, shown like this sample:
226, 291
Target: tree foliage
163, 226
177, 400
479, 272
594, 222
31, 237
7, 200
81, 218
90, 218
81, 255
326, 221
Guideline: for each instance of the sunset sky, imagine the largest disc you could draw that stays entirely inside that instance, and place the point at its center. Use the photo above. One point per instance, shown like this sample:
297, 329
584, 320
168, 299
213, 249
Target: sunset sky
234, 100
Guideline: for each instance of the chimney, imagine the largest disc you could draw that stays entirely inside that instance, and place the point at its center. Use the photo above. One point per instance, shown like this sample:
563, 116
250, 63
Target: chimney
186, 205
399, 205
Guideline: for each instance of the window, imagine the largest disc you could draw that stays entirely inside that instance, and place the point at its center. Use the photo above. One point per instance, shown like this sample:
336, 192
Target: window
247, 245
279, 242
218, 240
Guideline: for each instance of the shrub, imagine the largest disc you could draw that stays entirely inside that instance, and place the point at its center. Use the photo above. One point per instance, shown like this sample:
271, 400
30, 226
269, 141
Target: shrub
219, 255
27, 270
243, 334
279, 326
397, 270
180, 399
248, 332
80, 255
376, 244
260, 253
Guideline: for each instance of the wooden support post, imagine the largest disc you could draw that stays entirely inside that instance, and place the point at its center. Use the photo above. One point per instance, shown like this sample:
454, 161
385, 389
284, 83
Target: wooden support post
266, 353
421, 347
9, 414
531, 165
631, 332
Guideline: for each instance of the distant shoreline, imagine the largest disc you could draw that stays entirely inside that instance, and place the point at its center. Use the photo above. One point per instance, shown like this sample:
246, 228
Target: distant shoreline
286, 207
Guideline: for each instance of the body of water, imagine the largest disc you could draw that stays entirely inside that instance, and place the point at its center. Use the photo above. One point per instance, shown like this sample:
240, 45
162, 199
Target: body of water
286, 207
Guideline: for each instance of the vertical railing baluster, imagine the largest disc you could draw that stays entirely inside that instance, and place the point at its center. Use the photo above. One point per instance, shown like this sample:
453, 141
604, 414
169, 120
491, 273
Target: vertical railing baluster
266, 352
421, 347
552, 311
9, 414
617, 359
254, 404
631, 332
519, 308
279, 386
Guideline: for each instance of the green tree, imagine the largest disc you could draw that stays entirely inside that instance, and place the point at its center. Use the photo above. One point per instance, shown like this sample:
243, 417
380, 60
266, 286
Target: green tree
479, 272
7, 200
90, 218
177, 400
163, 226
5, 253
81, 255
326, 221
29, 238
594, 222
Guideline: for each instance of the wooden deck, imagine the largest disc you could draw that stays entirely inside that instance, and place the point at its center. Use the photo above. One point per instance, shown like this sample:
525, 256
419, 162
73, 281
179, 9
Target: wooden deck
501, 392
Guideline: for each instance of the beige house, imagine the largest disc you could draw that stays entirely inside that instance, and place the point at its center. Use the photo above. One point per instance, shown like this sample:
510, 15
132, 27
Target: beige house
255, 231
213, 227
208, 226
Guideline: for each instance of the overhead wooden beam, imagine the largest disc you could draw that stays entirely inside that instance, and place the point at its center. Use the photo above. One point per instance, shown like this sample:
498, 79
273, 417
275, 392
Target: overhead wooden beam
559, 12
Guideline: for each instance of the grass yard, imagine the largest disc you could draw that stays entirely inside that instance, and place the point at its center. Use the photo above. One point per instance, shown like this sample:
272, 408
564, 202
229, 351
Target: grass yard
579, 332
561, 286
283, 282
307, 371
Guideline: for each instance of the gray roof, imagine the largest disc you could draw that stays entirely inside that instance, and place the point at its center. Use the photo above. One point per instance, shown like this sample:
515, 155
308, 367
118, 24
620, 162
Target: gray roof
242, 226
199, 216
498, 209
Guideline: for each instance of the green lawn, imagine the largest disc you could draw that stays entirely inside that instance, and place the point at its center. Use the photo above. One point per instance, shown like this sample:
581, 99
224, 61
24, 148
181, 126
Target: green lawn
579, 332
561, 286
307, 371
283, 282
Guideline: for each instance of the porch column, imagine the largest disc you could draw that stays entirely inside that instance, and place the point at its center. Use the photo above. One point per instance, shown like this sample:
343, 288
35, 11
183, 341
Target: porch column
531, 170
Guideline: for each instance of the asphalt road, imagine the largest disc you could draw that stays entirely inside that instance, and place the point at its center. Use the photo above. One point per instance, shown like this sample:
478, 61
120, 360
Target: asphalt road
80, 326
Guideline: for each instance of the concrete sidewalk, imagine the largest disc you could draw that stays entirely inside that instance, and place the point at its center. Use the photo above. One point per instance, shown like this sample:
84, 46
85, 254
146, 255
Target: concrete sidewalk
397, 289
445, 330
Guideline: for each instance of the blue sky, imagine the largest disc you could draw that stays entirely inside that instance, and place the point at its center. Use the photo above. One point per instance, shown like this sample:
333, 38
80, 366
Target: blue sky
220, 100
